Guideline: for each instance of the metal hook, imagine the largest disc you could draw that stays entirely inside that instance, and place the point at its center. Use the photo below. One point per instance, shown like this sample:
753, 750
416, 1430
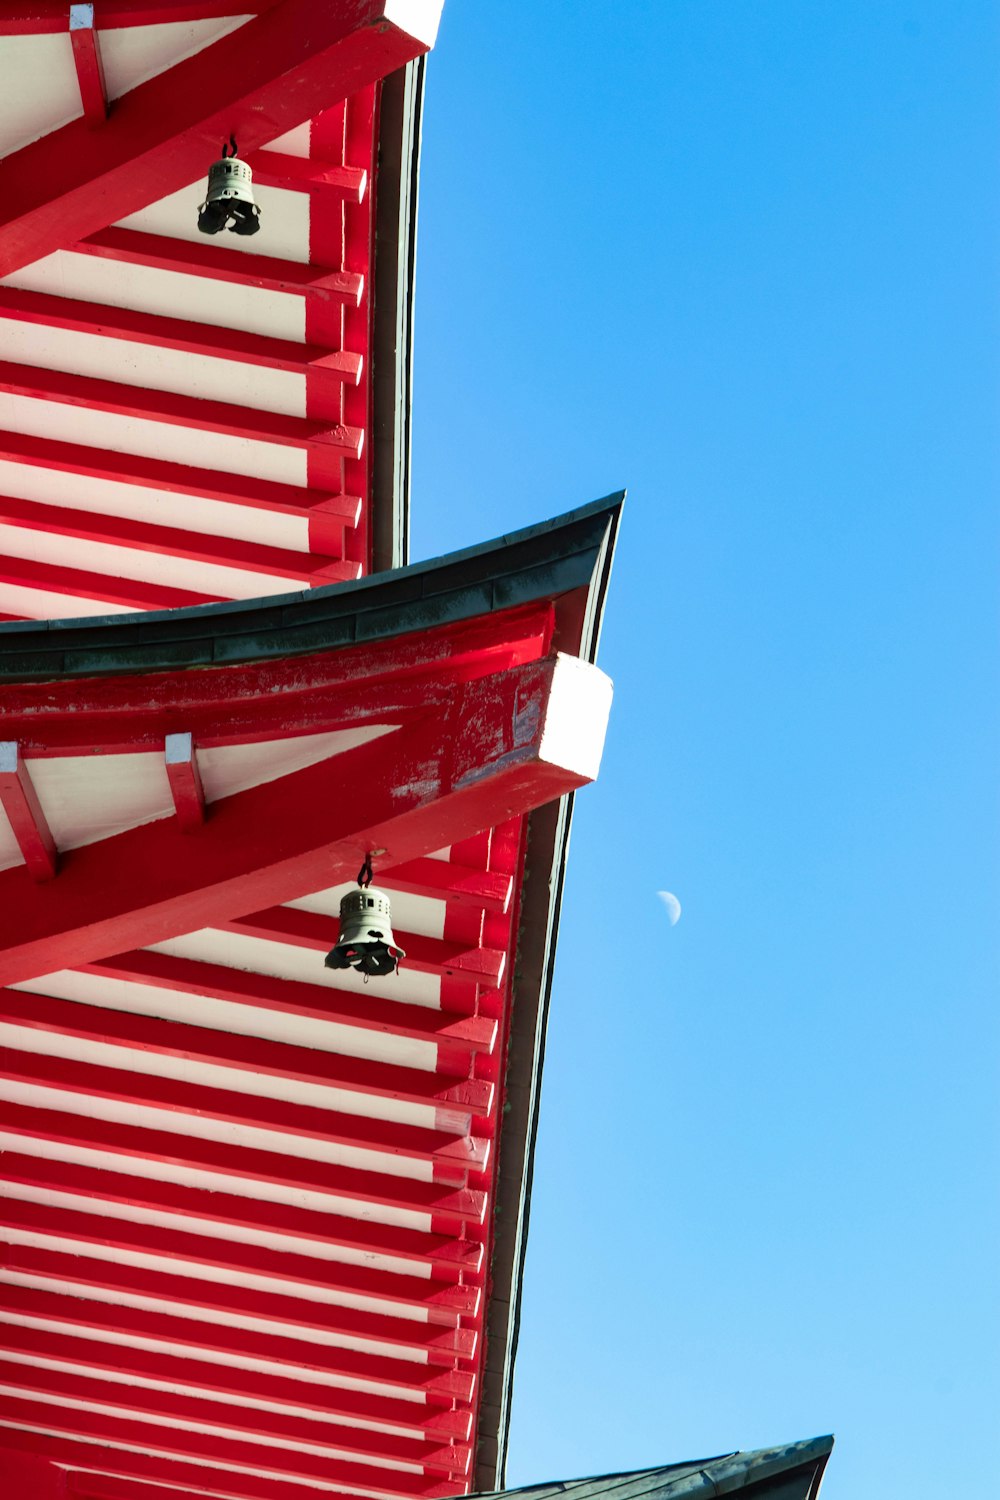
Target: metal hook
365, 873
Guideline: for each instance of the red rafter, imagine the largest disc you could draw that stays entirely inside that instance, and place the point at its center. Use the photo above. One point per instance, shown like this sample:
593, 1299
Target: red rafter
24, 813
68, 1346
443, 1303
446, 1256
135, 1402
451, 1156
282, 1350
453, 1100
333, 1328
185, 781
87, 60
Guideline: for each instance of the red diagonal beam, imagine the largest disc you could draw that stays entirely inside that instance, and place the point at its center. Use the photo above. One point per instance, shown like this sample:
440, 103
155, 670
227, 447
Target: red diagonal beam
448, 1209
89, 68
451, 1157
374, 1334
497, 746
257, 82
442, 1303
282, 1352
24, 813
421, 1421
443, 1254
72, 1389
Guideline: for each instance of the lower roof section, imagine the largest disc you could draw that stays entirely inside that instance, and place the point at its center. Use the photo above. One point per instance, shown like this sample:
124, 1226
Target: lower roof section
250, 1245
792, 1471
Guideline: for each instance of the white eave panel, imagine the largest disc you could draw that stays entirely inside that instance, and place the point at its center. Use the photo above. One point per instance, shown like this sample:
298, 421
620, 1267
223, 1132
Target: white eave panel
284, 221
133, 54
168, 294
196, 513
38, 87
203, 449
131, 362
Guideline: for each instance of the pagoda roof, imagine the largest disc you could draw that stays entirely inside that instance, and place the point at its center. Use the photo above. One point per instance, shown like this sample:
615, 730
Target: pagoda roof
791, 1471
245, 1195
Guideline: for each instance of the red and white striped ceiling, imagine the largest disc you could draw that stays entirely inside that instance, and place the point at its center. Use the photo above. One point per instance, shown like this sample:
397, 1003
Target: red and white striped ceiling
184, 419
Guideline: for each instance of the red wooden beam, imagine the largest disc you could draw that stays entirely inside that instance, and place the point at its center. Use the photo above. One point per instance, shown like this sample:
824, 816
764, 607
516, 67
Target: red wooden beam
441, 1302
265, 78
373, 1334
442, 1254
482, 890
453, 1100
308, 929
435, 1424
200, 414
488, 748
133, 469
185, 781
193, 546
451, 1157
223, 1462
71, 1389
24, 813
401, 680
159, 332
369, 1012
282, 1352
104, 588
29, 1476
89, 68
136, 247
449, 1210
307, 174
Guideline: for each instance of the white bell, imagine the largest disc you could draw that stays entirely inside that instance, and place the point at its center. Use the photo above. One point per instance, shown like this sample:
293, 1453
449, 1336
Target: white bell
366, 940
229, 196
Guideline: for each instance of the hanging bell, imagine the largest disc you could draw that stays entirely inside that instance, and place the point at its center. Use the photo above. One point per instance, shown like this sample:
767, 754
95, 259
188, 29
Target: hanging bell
366, 942
229, 197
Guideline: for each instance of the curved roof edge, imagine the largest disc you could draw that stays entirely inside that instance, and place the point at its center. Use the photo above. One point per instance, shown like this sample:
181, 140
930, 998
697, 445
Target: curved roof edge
397, 177
790, 1471
558, 557
543, 879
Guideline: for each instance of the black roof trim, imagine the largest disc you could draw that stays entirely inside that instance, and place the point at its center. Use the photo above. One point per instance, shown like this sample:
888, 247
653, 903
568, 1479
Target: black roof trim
556, 557
800, 1465
393, 284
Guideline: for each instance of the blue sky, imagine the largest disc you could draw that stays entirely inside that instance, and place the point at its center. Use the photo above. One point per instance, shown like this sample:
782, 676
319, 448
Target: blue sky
739, 256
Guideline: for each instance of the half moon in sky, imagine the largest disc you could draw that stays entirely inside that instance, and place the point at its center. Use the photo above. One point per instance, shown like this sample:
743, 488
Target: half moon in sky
673, 906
